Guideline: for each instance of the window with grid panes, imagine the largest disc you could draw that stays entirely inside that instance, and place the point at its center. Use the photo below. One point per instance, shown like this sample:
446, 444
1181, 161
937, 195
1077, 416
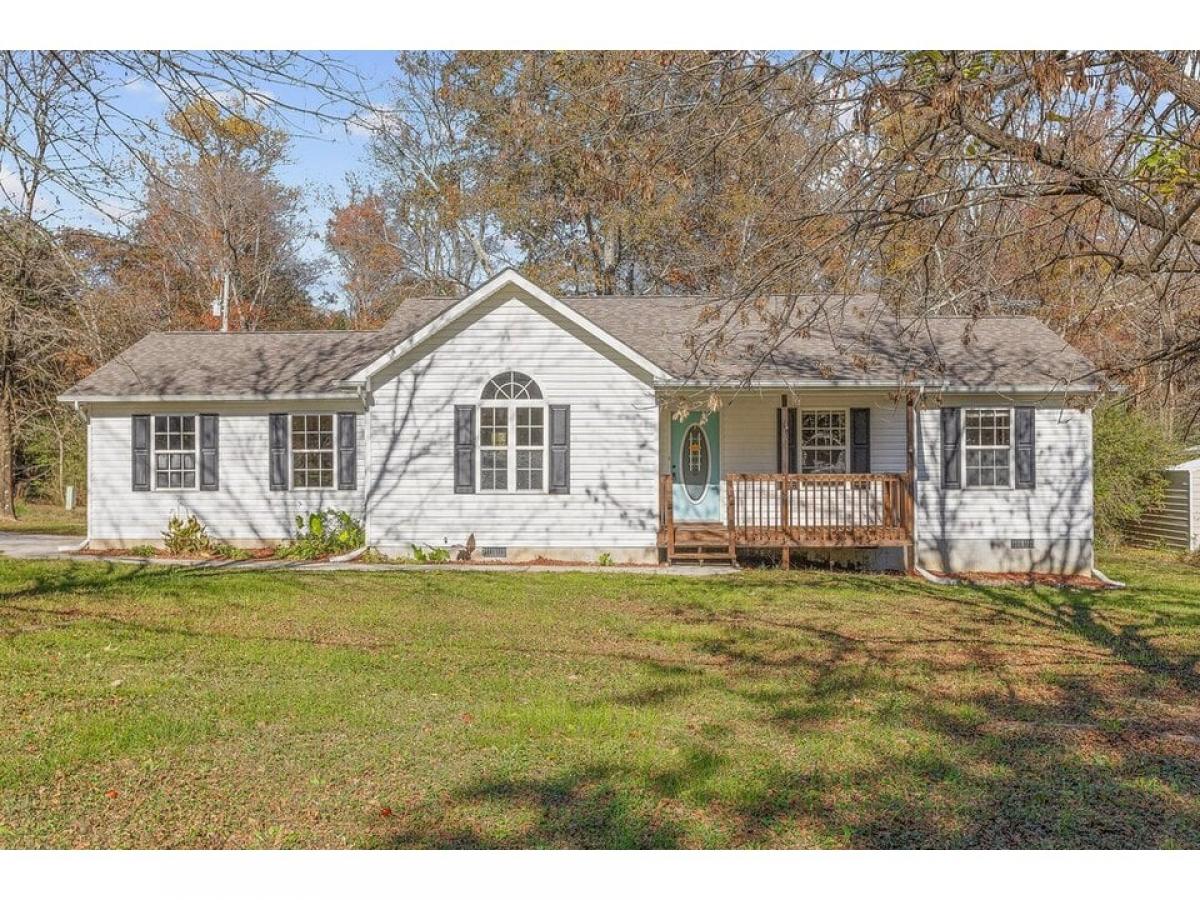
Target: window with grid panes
987, 438
312, 450
823, 440
174, 452
512, 434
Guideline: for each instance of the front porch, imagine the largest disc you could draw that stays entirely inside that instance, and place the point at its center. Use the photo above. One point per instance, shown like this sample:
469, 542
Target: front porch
789, 512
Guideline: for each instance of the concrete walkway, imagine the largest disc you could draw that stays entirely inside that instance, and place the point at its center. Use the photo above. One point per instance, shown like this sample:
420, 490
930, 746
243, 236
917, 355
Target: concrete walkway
46, 546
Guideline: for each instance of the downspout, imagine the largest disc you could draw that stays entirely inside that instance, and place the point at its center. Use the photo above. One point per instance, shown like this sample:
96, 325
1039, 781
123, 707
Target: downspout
364, 394
75, 548
912, 421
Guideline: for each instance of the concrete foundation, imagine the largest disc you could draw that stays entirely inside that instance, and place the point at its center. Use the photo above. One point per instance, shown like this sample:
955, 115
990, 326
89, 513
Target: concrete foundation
1072, 556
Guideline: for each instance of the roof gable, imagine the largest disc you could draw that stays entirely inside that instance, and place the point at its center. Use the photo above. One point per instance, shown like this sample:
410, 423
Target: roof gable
508, 279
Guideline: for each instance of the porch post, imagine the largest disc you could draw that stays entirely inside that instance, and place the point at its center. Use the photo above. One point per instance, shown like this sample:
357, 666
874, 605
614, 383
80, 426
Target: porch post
669, 499
730, 512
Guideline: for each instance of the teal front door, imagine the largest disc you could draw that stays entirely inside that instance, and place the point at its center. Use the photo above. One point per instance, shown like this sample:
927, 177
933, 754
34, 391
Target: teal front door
696, 467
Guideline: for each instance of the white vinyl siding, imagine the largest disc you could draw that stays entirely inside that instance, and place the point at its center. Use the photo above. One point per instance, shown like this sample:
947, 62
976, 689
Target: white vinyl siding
243, 509
614, 439
1057, 509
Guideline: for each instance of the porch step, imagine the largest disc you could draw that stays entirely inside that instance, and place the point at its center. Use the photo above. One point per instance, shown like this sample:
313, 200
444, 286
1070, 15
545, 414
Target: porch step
707, 533
689, 538
702, 553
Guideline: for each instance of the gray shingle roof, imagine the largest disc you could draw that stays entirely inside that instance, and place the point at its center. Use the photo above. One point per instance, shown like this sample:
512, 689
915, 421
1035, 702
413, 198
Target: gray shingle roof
854, 341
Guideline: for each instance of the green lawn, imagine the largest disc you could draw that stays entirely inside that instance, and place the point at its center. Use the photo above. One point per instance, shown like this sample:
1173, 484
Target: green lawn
157, 707
47, 518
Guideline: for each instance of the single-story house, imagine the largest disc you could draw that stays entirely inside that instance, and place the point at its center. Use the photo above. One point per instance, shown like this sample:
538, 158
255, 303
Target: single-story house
570, 427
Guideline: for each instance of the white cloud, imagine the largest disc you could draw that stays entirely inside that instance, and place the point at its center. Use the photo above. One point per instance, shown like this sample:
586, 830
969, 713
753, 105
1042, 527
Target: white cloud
363, 125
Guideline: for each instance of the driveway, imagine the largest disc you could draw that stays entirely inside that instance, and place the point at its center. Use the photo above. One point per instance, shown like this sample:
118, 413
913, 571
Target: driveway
35, 546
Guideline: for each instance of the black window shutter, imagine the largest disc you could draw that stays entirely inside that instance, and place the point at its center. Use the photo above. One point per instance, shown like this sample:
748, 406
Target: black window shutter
464, 449
951, 448
279, 451
347, 451
860, 440
1026, 447
560, 449
793, 441
141, 452
779, 439
210, 446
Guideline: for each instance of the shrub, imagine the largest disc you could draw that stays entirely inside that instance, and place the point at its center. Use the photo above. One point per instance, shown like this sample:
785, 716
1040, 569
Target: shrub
431, 554
228, 551
142, 550
605, 559
324, 533
186, 536
1131, 449
373, 555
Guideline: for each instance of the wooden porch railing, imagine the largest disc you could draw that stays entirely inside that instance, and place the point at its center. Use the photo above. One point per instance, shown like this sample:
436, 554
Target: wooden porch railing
861, 510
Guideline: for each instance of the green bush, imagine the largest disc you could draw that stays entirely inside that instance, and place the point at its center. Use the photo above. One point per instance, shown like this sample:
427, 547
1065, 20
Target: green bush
186, 536
145, 550
324, 533
430, 554
605, 559
374, 555
1131, 450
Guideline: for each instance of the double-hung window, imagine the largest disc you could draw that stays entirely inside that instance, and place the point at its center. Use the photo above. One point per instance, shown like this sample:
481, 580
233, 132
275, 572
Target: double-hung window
312, 450
174, 452
987, 460
512, 435
823, 440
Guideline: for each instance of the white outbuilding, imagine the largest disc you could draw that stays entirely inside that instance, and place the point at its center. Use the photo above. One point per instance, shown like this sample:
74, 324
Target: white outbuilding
1175, 524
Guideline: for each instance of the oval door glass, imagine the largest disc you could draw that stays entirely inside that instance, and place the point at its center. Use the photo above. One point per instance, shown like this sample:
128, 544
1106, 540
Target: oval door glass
694, 460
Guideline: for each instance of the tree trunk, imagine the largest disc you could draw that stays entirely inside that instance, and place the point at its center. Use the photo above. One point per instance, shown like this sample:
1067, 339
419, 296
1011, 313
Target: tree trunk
8, 508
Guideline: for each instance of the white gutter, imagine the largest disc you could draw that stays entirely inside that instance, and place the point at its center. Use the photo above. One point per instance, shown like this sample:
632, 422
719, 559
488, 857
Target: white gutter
859, 384
1105, 580
944, 580
204, 398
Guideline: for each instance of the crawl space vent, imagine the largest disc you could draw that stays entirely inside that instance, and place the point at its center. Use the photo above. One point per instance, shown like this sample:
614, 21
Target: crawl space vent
495, 552
1021, 543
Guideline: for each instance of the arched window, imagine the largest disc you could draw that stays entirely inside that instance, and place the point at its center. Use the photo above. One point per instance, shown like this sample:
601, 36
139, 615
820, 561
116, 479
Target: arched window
512, 434
512, 386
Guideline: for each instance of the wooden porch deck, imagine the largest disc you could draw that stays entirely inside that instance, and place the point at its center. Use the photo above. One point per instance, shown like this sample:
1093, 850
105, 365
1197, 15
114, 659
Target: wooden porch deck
788, 512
